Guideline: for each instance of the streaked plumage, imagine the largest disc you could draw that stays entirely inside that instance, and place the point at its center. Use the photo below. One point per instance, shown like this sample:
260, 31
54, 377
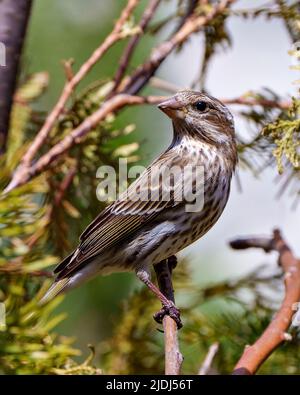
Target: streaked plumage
130, 234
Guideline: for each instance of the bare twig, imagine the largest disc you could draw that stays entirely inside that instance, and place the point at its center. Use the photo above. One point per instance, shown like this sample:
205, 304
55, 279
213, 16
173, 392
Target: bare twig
240, 101
70, 85
164, 85
275, 333
192, 25
64, 185
68, 64
248, 101
24, 174
138, 79
173, 356
125, 58
191, 5
17, 266
206, 366
243, 100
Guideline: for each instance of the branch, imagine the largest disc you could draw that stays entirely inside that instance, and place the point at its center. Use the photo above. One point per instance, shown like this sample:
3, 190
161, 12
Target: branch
166, 86
26, 170
240, 101
192, 25
275, 333
70, 85
127, 54
192, 4
17, 266
14, 16
173, 356
291, 25
24, 173
64, 185
244, 101
206, 366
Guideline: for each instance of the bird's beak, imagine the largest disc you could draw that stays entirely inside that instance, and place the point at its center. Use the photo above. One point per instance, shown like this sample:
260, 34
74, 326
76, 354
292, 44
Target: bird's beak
172, 107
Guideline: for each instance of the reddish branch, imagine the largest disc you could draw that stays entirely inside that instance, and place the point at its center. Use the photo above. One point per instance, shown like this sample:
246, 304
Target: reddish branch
243, 100
192, 25
275, 333
125, 58
135, 82
24, 174
64, 185
70, 85
192, 4
249, 101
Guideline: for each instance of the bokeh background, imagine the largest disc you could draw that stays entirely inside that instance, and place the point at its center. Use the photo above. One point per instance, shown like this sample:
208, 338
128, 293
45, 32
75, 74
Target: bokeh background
257, 58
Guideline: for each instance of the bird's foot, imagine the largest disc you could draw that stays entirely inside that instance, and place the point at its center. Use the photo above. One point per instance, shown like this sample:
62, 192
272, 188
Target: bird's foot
172, 311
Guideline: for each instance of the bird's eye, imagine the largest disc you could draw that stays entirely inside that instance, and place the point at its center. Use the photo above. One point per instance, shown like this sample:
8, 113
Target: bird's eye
201, 106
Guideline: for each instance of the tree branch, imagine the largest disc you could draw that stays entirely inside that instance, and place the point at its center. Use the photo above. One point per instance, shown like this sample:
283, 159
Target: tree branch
14, 16
24, 173
173, 356
26, 170
192, 25
206, 366
249, 101
275, 333
16, 266
71, 84
292, 27
125, 58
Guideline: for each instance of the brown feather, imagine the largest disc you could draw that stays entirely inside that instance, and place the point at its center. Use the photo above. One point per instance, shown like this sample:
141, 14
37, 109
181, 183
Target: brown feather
122, 218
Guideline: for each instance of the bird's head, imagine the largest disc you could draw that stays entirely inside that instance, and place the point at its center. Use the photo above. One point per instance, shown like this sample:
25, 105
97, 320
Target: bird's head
200, 116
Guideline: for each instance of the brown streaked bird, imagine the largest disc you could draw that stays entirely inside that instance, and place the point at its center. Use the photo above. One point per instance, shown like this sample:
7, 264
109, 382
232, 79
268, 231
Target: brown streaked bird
133, 233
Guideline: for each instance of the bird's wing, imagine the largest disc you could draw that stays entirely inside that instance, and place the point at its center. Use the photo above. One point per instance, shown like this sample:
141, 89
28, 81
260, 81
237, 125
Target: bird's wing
127, 214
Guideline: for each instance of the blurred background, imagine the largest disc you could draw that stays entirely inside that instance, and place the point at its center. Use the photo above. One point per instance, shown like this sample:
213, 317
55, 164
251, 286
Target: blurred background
258, 58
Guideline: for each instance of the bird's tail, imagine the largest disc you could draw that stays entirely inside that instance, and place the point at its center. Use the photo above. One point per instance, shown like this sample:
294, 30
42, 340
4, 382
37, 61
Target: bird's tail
56, 288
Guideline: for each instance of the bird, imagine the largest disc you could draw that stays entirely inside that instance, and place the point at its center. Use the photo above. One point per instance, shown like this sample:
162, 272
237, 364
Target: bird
147, 225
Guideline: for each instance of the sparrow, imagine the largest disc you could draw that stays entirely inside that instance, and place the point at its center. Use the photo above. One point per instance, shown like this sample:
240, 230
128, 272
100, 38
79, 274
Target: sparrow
150, 222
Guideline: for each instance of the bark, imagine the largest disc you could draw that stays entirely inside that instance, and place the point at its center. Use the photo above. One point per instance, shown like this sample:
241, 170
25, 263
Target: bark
14, 16
276, 333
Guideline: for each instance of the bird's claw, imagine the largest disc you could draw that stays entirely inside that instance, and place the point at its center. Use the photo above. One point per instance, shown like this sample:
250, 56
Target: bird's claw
172, 311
